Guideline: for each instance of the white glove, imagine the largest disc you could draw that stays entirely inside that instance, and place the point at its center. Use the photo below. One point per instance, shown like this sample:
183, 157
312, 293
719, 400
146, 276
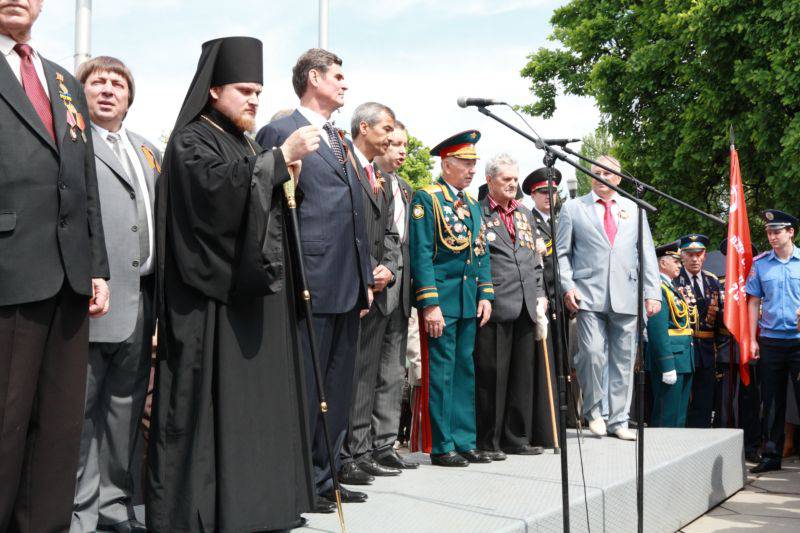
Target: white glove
670, 378
541, 319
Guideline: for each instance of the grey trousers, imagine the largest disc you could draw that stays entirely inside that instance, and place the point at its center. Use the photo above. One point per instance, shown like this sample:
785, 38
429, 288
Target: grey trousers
606, 341
116, 386
378, 385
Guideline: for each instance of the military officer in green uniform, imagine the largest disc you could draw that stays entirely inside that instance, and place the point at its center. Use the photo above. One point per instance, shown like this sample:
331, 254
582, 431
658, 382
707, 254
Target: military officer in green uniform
453, 291
669, 355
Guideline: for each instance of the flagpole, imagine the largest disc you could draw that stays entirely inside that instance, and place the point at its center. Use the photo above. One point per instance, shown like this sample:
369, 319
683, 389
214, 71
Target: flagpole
323, 24
83, 31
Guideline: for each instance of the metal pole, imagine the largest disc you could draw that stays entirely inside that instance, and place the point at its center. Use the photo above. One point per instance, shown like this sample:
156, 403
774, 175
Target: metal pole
323, 24
83, 31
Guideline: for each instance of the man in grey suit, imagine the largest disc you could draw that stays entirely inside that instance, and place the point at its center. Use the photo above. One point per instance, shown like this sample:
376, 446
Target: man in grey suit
120, 342
596, 243
505, 368
388, 388
371, 125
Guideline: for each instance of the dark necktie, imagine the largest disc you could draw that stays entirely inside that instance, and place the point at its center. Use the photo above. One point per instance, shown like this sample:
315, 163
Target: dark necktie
33, 88
698, 294
336, 144
141, 228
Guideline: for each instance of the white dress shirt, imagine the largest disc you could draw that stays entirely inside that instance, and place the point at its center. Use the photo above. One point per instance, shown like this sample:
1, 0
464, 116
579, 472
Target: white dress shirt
317, 120
545, 216
600, 209
362, 159
146, 267
399, 207
7, 45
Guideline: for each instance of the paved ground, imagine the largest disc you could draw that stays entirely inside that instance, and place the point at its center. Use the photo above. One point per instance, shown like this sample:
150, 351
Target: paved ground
769, 502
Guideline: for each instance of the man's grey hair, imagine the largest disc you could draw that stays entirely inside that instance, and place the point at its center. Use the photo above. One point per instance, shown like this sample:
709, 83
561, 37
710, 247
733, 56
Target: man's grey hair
494, 164
370, 113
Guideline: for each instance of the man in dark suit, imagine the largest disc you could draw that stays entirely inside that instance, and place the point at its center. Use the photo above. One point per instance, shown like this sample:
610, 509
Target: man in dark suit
119, 353
504, 348
53, 268
335, 252
371, 125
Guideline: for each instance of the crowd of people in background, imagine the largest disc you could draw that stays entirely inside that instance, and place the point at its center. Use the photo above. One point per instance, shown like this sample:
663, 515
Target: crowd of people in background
433, 317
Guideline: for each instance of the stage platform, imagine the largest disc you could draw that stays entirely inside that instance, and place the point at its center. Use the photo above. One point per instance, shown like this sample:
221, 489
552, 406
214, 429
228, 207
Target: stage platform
687, 471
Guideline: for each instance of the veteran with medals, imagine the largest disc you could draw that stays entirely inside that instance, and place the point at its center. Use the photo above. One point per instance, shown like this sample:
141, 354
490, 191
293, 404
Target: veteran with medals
668, 356
453, 290
505, 348
702, 290
229, 445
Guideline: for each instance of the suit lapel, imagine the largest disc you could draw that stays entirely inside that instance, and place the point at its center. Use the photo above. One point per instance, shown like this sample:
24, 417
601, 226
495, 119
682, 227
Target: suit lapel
104, 154
499, 229
149, 171
12, 92
594, 220
324, 151
364, 181
57, 107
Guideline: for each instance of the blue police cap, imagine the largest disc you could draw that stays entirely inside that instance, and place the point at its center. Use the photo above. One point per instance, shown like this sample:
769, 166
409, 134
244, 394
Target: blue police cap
774, 219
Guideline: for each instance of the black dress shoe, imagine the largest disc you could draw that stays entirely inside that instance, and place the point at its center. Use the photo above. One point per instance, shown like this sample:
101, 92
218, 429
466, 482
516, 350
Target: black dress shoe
766, 465
129, 526
323, 506
348, 496
525, 449
494, 455
475, 456
371, 467
351, 474
393, 459
752, 457
448, 459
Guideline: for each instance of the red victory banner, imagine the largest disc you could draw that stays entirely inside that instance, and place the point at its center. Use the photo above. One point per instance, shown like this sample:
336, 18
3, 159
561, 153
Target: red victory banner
739, 259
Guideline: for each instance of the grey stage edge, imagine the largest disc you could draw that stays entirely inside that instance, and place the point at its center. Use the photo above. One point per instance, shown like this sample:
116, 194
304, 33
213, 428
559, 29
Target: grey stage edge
687, 472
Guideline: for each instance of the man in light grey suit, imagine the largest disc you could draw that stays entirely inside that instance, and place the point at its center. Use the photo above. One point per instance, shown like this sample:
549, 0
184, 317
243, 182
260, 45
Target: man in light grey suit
120, 342
596, 243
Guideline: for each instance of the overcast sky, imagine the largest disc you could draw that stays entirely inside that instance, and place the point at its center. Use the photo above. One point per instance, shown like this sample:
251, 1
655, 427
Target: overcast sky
416, 56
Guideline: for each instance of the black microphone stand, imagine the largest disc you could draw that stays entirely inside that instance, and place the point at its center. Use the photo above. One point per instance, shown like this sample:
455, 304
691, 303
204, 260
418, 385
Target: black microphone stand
551, 154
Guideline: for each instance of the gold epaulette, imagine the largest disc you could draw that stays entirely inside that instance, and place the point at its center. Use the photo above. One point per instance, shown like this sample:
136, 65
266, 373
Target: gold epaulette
430, 189
469, 197
710, 274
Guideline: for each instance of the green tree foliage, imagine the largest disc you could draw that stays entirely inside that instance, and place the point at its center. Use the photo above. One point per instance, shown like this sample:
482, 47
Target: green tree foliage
594, 145
418, 165
671, 76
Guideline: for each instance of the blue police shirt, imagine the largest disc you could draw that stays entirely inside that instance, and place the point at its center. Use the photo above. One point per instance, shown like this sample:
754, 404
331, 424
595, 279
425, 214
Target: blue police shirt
778, 285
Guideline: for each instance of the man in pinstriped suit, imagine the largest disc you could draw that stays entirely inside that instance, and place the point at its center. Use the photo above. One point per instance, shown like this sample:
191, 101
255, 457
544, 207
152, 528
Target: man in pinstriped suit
371, 125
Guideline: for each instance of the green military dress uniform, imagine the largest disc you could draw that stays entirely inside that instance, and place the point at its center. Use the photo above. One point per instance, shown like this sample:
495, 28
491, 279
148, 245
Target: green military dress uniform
451, 269
669, 347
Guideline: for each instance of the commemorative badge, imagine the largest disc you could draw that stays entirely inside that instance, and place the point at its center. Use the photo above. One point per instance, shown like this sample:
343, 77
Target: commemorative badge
151, 158
623, 214
75, 120
491, 236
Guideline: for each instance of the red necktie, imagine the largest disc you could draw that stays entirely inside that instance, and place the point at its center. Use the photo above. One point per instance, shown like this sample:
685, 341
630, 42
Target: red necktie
609, 225
33, 88
371, 175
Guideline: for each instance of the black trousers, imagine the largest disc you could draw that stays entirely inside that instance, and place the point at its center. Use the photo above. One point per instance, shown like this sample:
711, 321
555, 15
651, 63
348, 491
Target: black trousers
780, 359
701, 408
504, 382
750, 409
43, 355
337, 344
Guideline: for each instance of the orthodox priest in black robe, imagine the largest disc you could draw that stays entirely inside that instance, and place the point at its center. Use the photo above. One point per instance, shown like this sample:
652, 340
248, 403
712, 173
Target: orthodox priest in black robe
230, 450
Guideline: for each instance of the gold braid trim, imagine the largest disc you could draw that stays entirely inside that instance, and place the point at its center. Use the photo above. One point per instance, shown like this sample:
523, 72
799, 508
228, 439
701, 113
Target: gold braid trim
679, 310
439, 218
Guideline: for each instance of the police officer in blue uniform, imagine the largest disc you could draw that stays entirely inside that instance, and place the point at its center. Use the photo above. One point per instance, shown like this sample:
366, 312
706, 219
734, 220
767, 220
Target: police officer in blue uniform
702, 290
774, 286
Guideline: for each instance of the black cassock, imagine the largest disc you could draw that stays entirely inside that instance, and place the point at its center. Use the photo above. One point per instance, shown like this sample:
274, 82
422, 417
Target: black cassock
229, 447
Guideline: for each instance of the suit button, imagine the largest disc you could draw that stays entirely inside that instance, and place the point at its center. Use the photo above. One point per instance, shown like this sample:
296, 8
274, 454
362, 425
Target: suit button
135, 263
468, 261
133, 196
355, 213
465, 278
63, 222
134, 228
358, 242
62, 185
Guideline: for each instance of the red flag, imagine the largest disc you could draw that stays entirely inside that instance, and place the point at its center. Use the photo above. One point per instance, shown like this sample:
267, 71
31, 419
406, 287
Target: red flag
739, 259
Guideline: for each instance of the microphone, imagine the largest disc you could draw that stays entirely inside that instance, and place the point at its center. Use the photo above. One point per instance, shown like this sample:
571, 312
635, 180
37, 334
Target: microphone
466, 101
560, 142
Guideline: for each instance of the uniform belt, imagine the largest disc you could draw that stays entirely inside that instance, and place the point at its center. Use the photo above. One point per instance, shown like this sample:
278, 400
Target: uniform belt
703, 334
679, 332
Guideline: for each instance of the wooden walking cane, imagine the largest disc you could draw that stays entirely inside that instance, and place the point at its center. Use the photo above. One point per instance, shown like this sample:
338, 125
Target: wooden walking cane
305, 291
550, 394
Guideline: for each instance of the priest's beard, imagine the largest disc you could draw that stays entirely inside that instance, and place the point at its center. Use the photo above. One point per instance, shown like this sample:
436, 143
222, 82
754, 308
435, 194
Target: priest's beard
245, 122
